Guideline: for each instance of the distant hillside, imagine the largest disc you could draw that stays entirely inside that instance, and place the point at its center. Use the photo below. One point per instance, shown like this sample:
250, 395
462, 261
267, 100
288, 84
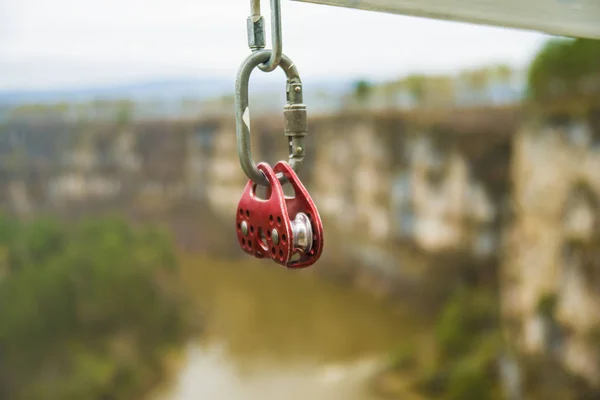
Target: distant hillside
167, 89
163, 89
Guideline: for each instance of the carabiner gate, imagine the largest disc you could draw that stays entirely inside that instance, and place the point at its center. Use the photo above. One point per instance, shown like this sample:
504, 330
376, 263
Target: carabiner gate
294, 115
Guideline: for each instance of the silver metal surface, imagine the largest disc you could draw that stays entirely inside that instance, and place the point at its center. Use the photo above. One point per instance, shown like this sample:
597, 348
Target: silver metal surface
256, 33
295, 121
303, 235
575, 18
294, 115
244, 228
275, 236
255, 7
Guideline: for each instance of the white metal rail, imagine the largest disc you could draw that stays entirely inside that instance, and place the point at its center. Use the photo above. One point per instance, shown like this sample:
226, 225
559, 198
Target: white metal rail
573, 18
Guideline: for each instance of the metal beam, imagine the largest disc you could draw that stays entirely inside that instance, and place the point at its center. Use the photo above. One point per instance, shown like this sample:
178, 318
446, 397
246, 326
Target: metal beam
573, 18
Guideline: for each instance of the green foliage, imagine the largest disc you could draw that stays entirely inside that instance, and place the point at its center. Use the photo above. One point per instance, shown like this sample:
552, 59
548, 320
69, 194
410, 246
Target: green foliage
404, 357
416, 86
124, 112
463, 317
469, 380
467, 347
362, 90
433, 382
87, 310
565, 68
547, 305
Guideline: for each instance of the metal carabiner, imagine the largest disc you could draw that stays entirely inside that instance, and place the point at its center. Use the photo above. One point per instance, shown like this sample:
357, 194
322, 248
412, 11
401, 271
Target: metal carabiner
294, 113
256, 33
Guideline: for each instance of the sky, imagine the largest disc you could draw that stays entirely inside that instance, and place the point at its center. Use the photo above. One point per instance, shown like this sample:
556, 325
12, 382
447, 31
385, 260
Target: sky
69, 43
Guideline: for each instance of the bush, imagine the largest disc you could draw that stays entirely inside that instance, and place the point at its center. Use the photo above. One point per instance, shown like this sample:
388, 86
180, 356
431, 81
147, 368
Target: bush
86, 311
546, 305
465, 317
467, 345
469, 380
404, 357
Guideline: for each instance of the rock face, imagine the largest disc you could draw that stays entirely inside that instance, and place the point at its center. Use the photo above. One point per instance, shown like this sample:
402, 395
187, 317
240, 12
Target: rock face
388, 177
391, 180
552, 262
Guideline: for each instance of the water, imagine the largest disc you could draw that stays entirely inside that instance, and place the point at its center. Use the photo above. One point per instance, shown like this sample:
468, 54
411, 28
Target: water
210, 373
276, 334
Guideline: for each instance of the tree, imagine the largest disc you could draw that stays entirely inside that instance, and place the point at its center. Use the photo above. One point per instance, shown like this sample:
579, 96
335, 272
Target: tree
565, 68
124, 111
362, 91
416, 86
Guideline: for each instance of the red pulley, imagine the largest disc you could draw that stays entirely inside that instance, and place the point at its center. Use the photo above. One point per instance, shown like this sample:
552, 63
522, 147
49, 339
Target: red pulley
286, 229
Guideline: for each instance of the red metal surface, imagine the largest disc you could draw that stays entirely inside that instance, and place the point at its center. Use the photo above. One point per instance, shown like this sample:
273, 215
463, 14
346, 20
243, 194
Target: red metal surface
277, 211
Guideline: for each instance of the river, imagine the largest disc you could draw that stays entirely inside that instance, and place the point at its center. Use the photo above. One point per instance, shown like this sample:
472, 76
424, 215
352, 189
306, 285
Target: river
275, 334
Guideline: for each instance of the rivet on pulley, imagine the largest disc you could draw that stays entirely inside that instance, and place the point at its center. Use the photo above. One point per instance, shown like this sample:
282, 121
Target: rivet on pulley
275, 236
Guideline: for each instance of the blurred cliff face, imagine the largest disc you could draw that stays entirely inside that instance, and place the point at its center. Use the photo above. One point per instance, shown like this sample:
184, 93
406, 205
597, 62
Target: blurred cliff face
552, 262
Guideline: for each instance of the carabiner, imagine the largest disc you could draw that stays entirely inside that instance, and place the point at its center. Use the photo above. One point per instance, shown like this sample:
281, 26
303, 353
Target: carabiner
256, 33
294, 115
